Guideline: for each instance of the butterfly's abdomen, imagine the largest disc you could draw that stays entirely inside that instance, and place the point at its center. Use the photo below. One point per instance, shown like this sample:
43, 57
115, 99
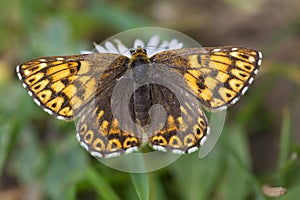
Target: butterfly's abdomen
140, 103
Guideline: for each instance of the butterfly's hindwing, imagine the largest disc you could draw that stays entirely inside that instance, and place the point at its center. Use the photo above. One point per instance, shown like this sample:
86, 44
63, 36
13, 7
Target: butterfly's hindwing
185, 126
99, 131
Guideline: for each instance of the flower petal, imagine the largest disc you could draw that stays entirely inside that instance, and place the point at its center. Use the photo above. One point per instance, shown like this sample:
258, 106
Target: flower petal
122, 48
110, 47
138, 43
100, 49
164, 45
153, 41
85, 52
153, 46
174, 44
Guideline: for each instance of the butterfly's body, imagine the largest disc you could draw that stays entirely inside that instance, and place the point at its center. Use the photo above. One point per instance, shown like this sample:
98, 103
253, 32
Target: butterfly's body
141, 100
82, 86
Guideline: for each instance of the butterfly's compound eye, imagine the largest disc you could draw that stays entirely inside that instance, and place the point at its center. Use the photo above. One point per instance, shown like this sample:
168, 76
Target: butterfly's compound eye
131, 51
138, 50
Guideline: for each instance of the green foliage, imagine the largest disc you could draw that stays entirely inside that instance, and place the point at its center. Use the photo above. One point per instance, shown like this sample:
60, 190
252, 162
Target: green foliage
141, 185
102, 187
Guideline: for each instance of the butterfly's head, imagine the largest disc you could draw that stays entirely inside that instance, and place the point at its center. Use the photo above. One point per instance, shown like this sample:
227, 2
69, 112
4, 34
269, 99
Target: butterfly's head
138, 57
138, 51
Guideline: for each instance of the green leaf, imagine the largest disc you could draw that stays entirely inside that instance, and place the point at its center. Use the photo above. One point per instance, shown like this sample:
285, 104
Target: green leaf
117, 18
54, 39
141, 185
196, 178
157, 187
102, 187
285, 138
28, 156
253, 102
238, 176
65, 168
71, 193
5, 137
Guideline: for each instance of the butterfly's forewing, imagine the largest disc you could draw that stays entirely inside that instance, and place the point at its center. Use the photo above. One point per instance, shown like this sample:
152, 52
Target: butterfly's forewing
63, 85
217, 76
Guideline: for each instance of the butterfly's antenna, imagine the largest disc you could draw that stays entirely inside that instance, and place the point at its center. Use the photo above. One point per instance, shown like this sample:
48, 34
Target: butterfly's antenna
155, 49
150, 49
160, 48
131, 50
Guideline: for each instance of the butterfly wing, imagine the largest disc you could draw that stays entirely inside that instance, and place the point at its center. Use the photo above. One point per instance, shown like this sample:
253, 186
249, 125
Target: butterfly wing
216, 76
63, 85
185, 127
81, 86
99, 131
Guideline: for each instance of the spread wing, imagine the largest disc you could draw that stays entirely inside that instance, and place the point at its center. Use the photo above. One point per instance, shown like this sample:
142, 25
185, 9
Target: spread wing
186, 125
216, 76
81, 86
63, 85
99, 131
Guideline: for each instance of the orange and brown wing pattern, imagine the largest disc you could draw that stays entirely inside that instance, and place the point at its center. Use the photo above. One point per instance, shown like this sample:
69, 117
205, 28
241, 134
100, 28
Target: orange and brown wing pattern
217, 76
99, 132
63, 85
81, 86
186, 126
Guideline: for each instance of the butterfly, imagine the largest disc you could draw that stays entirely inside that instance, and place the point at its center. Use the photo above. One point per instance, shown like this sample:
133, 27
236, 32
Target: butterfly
81, 87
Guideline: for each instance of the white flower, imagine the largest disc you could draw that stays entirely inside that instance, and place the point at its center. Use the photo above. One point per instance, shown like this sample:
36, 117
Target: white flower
153, 46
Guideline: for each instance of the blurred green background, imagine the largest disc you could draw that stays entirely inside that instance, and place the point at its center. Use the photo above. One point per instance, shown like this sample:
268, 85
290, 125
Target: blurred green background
260, 144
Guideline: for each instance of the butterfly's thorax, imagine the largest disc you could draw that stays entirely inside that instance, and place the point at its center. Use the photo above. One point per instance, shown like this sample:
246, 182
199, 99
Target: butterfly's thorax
141, 100
139, 57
